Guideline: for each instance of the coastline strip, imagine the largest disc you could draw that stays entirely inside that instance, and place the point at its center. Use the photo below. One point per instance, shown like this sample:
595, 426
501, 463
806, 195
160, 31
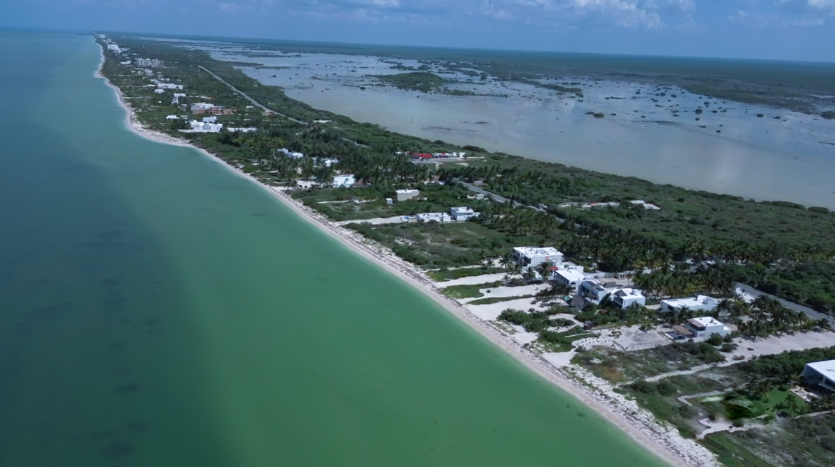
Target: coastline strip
664, 442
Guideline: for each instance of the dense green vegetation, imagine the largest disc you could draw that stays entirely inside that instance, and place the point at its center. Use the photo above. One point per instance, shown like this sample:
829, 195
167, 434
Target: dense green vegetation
811, 284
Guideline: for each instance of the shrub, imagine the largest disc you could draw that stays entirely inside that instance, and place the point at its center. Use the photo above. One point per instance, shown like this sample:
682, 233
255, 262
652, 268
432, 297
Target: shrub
819, 209
728, 348
665, 388
715, 340
643, 387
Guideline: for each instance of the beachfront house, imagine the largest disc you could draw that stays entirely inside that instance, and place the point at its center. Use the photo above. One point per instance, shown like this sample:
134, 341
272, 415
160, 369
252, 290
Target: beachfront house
345, 180
204, 127
594, 291
626, 297
697, 303
572, 277
820, 373
702, 328
462, 214
405, 195
531, 256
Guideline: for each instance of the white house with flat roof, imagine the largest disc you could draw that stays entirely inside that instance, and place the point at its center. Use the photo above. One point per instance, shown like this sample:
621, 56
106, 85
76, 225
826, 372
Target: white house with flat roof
704, 327
626, 297
345, 180
697, 303
593, 291
405, 195
570, 277
820, 373
531, 257
434, 216
462, 214
204, 127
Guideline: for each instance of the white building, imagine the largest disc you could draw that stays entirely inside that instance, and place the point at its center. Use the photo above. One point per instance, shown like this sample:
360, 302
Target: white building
531, 257
434, 216
626, 297
462, 214
204, 127
648, 206
242, 130
177, 87
570, 277
704, 327
201, 107
403, 195
345, 180
291, 154
159, 91
209, 119
171, 117
593, 291
820, 373
698, 303
114, 48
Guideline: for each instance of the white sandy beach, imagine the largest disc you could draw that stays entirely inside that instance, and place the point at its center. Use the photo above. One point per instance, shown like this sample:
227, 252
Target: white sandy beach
640, 425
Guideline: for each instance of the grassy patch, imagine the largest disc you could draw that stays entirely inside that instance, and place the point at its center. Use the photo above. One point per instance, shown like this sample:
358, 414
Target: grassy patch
490, 300
469, 291
458, 273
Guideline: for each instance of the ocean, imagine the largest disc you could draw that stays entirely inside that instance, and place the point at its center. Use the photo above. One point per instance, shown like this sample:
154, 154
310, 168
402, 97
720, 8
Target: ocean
159, 311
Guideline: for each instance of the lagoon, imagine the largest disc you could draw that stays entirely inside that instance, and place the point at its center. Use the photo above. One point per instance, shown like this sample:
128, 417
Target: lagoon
726, 148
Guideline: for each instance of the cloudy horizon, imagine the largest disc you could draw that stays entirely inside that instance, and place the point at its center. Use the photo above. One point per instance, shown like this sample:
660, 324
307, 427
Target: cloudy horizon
756, 29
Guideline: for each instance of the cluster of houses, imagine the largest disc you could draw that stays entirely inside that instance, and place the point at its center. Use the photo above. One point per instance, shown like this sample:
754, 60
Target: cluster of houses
590, 288
150, 63
614, 204
457, 214
203, 108
436, 155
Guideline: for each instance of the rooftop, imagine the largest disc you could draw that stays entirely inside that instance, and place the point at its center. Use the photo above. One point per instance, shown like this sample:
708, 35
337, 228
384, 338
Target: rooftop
826, 368
530, 251
690, 302
705, 322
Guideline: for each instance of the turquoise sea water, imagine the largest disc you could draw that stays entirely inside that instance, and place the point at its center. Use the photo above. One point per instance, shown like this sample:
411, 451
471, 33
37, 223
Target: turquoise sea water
156, 310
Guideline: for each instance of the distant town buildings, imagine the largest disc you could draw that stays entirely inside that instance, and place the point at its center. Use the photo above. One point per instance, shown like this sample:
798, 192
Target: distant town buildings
151, 63
115, 48
170, 86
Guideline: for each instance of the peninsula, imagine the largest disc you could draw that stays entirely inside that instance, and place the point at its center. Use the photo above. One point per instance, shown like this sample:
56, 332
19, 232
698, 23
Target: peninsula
691, 320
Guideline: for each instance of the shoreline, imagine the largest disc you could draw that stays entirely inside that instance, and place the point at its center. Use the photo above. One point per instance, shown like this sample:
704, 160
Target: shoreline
665, 443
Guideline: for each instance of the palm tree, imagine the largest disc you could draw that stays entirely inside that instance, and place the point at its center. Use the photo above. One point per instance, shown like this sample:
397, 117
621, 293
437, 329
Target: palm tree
544, 270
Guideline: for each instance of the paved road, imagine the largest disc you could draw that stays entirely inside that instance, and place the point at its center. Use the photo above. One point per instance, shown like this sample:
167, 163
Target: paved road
254, 102
816, 315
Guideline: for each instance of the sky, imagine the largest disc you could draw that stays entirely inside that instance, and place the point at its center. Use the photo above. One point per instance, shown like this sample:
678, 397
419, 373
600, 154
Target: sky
759, 29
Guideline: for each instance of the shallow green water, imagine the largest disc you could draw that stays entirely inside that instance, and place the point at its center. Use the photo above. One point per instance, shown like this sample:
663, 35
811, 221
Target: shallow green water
156, 310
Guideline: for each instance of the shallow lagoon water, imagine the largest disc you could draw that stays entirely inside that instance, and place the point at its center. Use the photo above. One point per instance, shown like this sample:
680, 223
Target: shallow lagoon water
156, 310
781, 156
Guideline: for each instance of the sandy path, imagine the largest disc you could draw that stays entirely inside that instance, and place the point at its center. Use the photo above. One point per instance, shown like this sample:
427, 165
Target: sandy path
638, 424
